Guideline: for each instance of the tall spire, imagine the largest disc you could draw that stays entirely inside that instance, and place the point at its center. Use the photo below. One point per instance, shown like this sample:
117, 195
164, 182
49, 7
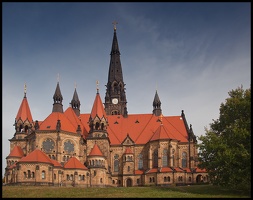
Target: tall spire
157, 111
115, 97
57, 106
75, 103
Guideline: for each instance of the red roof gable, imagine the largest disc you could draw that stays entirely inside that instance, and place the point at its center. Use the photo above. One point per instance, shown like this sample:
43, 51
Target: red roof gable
51, 121
142, 127
138, 172
71, 115
160, 133
36, 156
24, 111
166, 169
16, 152
128, 151
98, 108
74, 163
95, 151
56, 163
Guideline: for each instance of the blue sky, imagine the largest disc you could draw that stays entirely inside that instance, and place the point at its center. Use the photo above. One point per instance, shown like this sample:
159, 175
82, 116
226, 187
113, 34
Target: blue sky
192, 53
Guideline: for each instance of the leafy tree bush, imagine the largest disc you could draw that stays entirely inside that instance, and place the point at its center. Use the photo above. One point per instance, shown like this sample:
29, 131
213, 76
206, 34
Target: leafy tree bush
225, 150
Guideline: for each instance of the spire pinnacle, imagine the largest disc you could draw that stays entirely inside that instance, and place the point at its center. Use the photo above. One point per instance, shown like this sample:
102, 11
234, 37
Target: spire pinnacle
114, 24
75, 85
58, 77
97, 82
25, 90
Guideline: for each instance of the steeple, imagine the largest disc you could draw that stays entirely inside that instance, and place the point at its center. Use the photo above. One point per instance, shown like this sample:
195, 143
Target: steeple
23, 120
57, 106
98, 118
115, 97
157, 111
75, 103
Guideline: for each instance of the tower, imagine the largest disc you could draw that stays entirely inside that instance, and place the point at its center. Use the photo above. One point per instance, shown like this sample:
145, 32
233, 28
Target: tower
157, 111
115, 97
57, 106
75, 103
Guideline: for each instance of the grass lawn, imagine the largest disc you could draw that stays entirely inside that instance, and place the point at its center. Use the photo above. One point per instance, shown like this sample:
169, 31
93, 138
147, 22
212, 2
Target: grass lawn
194, 191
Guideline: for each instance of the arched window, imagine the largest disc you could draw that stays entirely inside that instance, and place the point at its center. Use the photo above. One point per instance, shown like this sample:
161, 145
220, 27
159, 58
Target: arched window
165, 179
54, 176
24, 174
116, 163
168, 178
32, 174
140, 161
190, 179
155, 158
184, 159
67, 177
128, 168
102, 126
43, 174
97, 126
29, 174
150, 179
165, 158
71, 177
79, 177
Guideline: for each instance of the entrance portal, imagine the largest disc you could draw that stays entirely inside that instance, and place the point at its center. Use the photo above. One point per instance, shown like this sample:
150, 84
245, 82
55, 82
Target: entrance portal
129, 182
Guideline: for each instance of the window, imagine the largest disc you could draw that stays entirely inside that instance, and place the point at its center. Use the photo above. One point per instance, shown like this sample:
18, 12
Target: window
140, 161
128, 168
155, 159
43, 174
54, 176
184, 159
165, 158
24, 174
68, 147
29, 174
116, 163
48, 145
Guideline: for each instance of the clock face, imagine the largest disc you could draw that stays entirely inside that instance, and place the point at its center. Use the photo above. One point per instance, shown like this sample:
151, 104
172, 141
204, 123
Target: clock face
68, 147
114, 101
48, 145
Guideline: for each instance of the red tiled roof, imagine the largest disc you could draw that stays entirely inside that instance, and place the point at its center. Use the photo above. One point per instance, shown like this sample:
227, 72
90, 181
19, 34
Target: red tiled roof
36, 156
51, 121
138, 172
56, 163
74, 163
98, 108
71, 115
166, 169
16, 152
142, 127
95, 151
24, 111
187, 170
178, 169
128, 150
198, 170
153, 170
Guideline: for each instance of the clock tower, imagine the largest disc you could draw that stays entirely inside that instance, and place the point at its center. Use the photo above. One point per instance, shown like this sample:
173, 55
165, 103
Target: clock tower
115, 97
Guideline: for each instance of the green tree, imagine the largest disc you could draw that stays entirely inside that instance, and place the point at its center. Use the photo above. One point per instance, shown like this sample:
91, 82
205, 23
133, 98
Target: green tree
225, 150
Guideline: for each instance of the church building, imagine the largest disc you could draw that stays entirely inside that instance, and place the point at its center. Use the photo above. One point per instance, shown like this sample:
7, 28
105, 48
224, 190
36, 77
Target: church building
107, 147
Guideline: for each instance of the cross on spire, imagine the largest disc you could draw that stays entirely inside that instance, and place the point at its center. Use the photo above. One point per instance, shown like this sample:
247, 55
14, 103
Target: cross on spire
114, 24
25, 89
97, 82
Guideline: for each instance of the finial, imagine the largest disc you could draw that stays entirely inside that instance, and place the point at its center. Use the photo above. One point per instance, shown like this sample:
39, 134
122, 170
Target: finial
161, 119
114, 24
97, 82
25, 89
75, 85
58, 77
